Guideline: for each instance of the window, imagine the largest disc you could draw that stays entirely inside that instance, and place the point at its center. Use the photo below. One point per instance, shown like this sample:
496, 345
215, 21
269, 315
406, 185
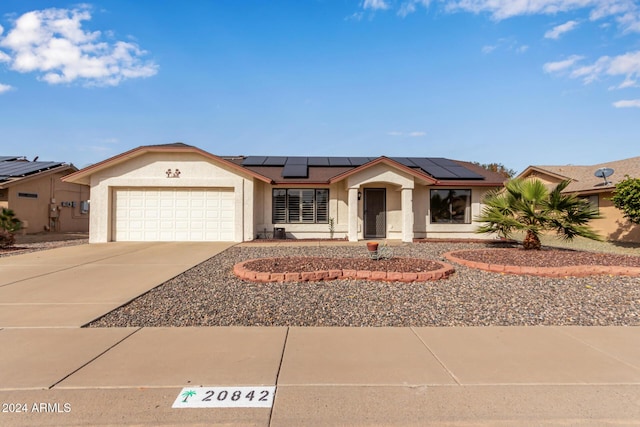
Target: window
451, 206
28, 195
593, 202
306, 205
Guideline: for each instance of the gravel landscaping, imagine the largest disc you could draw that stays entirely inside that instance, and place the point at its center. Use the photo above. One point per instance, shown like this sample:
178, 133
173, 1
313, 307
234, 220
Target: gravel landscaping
211, 295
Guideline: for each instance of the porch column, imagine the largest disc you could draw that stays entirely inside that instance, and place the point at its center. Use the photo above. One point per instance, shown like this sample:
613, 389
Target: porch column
353, 214
407, 214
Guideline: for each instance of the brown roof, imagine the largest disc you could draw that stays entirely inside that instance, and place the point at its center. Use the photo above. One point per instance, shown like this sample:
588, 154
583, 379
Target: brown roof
583, 179
476, 175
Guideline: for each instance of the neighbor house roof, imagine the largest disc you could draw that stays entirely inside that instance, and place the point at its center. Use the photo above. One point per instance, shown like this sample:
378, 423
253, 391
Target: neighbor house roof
307, 170
583, 179
14, 169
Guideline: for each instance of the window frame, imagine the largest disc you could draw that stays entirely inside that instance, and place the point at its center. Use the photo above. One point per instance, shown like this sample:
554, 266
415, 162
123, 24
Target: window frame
293, 202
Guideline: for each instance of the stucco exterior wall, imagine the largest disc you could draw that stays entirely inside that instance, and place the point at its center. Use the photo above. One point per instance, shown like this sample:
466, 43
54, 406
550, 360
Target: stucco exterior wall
149, 170
614, 226
51, 192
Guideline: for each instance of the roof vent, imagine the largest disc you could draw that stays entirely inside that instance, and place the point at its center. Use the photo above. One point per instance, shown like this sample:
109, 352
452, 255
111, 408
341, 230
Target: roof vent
604, 173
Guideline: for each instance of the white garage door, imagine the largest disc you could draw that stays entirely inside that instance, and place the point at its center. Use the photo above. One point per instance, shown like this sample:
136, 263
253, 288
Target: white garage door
173, 214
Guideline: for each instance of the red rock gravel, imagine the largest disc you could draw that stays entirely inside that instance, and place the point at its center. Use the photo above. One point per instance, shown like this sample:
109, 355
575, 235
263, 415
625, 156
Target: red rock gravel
547, 258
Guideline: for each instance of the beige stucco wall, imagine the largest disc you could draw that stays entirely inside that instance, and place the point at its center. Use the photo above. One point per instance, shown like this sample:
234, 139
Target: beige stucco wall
148, 170
614, 226
51, 192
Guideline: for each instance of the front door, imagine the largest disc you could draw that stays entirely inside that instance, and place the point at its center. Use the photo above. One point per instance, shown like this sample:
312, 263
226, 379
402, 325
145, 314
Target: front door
375, 219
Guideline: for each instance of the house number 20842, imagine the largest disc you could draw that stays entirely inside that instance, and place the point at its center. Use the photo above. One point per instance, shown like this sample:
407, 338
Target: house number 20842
225, 397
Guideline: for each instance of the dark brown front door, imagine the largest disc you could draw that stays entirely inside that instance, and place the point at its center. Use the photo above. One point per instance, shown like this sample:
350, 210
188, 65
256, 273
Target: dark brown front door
375, 218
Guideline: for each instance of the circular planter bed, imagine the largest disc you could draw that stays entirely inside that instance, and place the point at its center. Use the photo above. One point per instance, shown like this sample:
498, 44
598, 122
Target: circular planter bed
302, 269
547, 262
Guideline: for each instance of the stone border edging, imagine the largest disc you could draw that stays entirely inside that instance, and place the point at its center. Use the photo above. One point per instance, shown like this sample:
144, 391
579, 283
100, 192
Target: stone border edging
388, 276
570, 270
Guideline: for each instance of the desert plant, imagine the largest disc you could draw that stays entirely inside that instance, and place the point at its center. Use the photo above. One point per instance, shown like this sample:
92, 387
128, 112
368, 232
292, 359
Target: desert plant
529, 206
626, 197
9, 225
332, 227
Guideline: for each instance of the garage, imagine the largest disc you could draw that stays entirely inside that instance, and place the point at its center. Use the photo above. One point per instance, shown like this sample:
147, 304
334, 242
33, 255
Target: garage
173, 214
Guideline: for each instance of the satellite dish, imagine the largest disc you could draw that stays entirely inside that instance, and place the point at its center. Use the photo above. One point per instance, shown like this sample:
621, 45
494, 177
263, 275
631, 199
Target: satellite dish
604, 173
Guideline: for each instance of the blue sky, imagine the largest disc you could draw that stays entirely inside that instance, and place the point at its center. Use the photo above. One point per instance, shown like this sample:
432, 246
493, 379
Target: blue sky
514, 82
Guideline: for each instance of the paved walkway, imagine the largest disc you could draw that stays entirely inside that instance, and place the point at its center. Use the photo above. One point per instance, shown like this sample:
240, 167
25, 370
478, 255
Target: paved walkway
323, 376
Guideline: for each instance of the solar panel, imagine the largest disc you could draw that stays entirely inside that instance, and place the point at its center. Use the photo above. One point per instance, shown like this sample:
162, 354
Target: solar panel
433, 169
442, 162
254, 161
15, 169
294, 171
358, 161
318, 161
464, 173
339, 161
404, 161
296, 161
8, 158
275, 161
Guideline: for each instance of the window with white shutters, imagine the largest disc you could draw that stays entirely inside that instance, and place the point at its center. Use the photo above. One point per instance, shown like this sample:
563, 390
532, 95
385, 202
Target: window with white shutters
296, 205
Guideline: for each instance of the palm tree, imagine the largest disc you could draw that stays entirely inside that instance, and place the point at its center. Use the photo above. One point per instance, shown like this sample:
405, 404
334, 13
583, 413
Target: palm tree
187, 394
529, 206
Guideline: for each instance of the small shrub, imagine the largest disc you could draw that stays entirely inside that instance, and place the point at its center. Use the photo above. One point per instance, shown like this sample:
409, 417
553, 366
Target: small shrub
7, 239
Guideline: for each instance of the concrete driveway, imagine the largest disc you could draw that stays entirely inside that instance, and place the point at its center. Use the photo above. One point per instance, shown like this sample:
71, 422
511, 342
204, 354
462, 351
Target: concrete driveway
71, 286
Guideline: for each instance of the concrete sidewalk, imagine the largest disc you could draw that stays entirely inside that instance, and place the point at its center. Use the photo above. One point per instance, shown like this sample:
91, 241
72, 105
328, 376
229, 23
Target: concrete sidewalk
71, 286
327, 376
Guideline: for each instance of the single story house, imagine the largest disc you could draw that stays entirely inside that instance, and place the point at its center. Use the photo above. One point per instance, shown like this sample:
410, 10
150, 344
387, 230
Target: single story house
177, 192
34, 191
598, 189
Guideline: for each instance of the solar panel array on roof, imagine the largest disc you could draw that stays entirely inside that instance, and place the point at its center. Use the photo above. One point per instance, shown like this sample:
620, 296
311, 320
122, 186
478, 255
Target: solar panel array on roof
297, 166
438, 167
8, 158
20, 169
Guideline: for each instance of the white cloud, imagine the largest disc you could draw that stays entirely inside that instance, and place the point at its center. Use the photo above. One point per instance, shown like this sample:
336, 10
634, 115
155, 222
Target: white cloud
559, 30
508, 43
4, 57
415, 134
559, 66
5, 88
625, 12
488, 48
627, 103
626, 66
408, 7
375, 5
53, 43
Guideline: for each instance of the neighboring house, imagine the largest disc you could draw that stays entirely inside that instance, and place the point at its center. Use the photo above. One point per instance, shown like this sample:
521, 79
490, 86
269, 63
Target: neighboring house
177, 192
35, 192
613, 226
